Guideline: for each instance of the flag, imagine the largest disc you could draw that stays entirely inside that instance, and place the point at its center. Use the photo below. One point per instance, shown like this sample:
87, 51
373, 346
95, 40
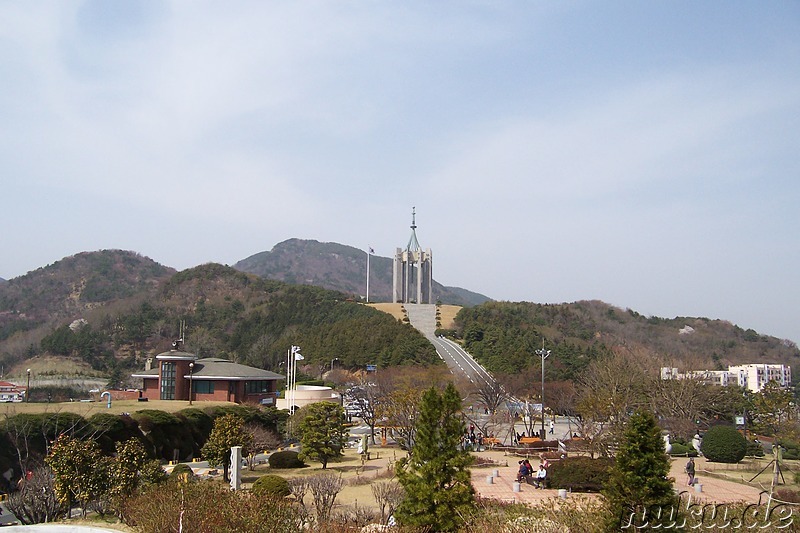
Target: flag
296, 353
371, 250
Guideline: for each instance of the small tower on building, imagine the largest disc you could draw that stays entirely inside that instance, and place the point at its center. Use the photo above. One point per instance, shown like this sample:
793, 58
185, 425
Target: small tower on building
412, 275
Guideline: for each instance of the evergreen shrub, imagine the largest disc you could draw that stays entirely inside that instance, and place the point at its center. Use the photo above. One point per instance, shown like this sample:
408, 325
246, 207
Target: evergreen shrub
724, 444
791, 449
682, 450
754, 449
579, 474
181, 468
285, 459
271, 485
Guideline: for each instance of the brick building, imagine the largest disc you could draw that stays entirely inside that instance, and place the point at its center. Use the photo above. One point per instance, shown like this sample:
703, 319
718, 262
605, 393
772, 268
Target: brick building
210, 379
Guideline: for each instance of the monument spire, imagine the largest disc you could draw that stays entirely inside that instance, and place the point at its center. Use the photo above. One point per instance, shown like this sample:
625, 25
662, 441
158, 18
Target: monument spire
413, 243
412, 277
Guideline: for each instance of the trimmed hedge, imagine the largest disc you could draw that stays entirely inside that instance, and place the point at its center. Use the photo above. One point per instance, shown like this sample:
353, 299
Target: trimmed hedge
271, 485
754, 449
682, 450
285, 459
723, 444
579, 474
791, 449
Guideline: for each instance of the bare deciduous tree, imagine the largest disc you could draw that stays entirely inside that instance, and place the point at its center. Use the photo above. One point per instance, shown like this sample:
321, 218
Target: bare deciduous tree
263, 439
298, 486
490, 394
388, 495
369, 396
35, 502
324, 487
402, 389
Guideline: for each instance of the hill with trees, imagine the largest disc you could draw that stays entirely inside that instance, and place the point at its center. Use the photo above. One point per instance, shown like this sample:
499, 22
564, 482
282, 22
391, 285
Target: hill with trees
112, 309
33, 304
340, 268
504, 336
227, 313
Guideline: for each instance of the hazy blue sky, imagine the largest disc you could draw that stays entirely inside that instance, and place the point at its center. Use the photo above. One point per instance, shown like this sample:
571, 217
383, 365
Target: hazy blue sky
641, 153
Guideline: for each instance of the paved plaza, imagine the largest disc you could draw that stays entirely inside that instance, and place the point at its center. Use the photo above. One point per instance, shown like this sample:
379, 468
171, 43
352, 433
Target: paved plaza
502, 487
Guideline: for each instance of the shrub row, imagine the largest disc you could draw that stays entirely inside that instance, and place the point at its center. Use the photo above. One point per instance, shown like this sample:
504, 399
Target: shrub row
160, 432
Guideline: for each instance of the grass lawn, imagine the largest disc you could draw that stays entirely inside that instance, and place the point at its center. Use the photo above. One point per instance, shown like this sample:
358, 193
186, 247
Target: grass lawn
357, 478
750, 467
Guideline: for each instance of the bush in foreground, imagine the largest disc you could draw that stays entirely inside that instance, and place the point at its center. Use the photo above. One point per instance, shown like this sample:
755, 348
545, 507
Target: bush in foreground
579, 474
208, 506
181, 469
724, 444
271, 485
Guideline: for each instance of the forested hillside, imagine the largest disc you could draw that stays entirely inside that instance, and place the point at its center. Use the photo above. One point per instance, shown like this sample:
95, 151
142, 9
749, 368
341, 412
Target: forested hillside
340, 268
72, 286
505, 335
234, 315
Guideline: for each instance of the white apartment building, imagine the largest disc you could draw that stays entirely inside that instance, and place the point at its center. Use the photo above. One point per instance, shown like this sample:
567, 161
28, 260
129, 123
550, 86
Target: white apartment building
752, 377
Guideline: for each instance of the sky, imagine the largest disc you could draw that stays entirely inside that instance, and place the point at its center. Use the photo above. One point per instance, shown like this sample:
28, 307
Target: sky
640, 153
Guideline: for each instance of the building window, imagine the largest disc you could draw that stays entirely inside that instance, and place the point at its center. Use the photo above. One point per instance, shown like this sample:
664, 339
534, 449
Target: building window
167, 380
256, 387
203, 387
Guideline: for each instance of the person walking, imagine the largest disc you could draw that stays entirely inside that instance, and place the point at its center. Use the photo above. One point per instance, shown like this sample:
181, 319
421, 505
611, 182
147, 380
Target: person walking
690, 471
552, 426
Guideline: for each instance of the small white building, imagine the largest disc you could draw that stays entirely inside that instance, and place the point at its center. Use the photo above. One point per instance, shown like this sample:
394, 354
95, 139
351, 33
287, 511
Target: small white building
308, 394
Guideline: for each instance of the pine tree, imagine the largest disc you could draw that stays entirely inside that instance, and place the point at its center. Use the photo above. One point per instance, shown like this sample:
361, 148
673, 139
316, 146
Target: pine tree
638, 486
322, 432
439, 492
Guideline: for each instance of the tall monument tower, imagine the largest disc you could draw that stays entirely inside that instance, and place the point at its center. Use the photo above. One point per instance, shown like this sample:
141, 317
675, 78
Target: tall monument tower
412, 275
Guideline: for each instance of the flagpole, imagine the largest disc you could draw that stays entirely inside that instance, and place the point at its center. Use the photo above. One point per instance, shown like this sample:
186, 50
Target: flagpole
288, 388
368, 254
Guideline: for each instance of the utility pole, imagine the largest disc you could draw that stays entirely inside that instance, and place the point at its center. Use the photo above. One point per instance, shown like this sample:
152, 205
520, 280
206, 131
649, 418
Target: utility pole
544, 354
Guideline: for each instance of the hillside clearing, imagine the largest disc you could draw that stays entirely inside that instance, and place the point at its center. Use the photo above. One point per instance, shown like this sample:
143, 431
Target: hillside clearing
448, 312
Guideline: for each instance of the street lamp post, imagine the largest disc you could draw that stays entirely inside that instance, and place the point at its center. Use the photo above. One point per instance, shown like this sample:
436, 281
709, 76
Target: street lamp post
544, 354
28, 388
191, 376
333, 361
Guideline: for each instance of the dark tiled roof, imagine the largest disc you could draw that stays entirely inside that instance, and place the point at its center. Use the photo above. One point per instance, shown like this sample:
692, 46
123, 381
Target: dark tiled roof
216, 368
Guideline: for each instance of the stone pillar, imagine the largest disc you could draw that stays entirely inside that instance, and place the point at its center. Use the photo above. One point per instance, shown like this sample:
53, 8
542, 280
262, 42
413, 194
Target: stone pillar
236, 468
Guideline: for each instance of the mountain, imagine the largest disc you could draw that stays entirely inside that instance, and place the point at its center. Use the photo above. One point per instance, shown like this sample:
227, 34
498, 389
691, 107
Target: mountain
69, 287
113, 308
341, 268
237, 316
